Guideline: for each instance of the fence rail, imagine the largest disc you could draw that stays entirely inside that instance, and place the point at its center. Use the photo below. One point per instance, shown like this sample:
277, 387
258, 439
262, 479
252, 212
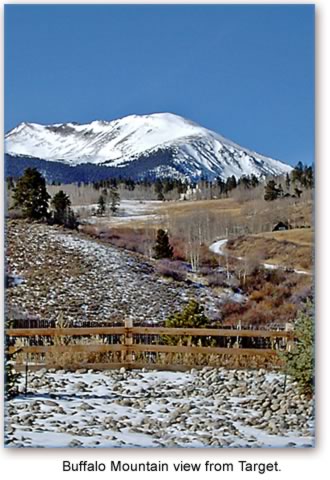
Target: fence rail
209, 332
130, 343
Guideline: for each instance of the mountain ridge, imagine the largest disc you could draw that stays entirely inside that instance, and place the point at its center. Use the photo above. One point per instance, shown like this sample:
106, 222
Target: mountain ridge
189, 151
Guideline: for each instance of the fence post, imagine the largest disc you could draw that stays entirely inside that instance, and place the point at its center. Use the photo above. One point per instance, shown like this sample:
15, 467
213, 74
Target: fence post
26, 373
128, 342
289, 342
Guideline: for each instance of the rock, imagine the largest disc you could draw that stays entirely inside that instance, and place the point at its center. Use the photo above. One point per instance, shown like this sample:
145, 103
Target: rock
50, 403
85, 406
75, 443
267, 414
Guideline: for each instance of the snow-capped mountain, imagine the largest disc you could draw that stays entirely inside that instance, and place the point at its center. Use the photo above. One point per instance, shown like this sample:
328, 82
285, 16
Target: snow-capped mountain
159, 145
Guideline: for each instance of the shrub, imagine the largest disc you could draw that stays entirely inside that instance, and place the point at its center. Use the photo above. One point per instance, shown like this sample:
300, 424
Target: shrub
171, 269
217, 280
11, 377
299, 363
208, 258
192, 316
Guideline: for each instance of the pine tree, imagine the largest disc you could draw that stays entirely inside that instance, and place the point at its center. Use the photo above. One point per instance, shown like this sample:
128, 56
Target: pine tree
60, 203
300, 362
287, 182
10, 183
114, 199
231, 183
192, 316
30, 195
297, 173
271, 191
11, 376
162, 248
100, 206
70, 220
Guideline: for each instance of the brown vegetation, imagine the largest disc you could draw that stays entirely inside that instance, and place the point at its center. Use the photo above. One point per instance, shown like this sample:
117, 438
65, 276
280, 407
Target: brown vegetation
273, 298
274, 248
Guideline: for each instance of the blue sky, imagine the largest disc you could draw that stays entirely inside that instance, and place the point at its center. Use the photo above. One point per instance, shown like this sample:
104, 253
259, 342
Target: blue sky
246, 72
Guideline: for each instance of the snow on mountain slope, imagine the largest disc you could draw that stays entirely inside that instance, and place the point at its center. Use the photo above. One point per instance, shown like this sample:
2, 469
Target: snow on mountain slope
194, 151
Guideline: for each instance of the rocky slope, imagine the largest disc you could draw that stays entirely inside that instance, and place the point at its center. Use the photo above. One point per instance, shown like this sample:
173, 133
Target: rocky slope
86, 280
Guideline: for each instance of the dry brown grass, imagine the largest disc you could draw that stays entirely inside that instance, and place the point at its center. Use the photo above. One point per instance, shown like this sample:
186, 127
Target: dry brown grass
300, 236
270, 250
227, 205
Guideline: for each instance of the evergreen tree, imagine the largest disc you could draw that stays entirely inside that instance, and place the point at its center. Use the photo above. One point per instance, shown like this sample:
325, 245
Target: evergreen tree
221, 185
300, 362
231, 183
245, 181
254, 180
309, 177
60, 203
63, 215
70, 220
160, 196
162, 248
114, 199
192, 316
271, 191
11, 376
100, 206
10, 183
287, 182
30, 195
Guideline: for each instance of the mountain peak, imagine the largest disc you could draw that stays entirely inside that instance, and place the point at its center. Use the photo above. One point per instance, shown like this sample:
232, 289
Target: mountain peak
187, 148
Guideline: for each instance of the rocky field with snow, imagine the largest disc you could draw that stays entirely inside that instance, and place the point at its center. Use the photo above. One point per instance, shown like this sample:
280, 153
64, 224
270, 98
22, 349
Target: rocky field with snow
63, 272
207, 408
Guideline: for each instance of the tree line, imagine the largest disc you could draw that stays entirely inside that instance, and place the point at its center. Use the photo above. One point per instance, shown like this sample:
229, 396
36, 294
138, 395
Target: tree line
30, 196
301, 178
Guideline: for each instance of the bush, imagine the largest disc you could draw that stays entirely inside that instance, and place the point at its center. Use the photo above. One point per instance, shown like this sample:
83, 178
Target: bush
299, 363
216, 280
171, 269
208, 258
11, 377
192, 316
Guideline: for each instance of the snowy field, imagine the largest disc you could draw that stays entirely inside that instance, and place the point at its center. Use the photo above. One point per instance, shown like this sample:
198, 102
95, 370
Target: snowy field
129, 210
210, 408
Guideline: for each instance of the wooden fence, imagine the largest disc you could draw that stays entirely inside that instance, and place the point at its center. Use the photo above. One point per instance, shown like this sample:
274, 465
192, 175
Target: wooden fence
129, 342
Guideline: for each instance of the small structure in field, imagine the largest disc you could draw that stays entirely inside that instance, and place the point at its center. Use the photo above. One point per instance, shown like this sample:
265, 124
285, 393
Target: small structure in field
280, 226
